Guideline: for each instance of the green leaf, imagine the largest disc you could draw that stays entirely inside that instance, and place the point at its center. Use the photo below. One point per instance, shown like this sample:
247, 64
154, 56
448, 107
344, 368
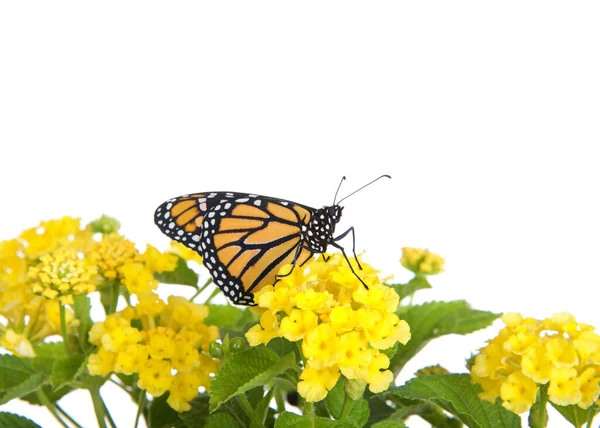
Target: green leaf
435, 319
46, 356
245, 370
129, 380
457, 395
66, 370
198, 415
403, 408
379, 409
10, 420
358, 412
575, 414
283, 347
391, 351
388, 424
31, 384
82, 307
162, 415
291, 420
358, 415
229, 316
182, 274
417, 283
49, 392
55, 350
221, 420
14, 371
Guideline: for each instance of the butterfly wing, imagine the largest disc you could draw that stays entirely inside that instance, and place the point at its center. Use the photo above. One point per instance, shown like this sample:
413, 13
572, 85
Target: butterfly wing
244, 239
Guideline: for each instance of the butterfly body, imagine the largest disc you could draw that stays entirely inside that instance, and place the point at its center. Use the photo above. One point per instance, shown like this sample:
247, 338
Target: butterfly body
245, 239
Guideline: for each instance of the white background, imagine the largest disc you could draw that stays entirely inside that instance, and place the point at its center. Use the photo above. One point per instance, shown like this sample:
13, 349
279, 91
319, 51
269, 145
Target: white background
485, 114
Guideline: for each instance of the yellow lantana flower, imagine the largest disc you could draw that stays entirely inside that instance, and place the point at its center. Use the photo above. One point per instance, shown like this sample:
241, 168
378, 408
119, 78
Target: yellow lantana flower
61, 274
518, 392
138, 278
315, 383
265, 331
529, 353
53, 234
160, 342
113, 252
17, 343
342, 325
157, 261
421, 262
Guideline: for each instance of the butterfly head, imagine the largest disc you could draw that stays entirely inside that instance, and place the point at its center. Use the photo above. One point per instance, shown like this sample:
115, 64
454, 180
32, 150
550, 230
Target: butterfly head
334, 213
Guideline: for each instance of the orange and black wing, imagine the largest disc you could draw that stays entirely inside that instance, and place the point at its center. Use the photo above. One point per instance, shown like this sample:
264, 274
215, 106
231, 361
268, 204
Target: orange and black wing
244, 239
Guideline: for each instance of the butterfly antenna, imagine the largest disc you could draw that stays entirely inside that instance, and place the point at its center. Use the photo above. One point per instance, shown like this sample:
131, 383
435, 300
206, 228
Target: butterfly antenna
368, 184
338, 189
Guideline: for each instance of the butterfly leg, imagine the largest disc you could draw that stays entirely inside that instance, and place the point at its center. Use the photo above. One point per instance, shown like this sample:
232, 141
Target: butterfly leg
338, 246
325, 258
342, 236
296, 254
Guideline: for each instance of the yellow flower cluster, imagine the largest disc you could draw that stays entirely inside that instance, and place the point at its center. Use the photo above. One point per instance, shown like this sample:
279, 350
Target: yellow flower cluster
53, 234
61, 273
48, 264
421, 262
113, 252
342, 325
557, 353
27, 318
159, 342
117, 258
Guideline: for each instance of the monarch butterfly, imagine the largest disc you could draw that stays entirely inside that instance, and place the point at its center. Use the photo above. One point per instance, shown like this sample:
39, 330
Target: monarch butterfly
245, 239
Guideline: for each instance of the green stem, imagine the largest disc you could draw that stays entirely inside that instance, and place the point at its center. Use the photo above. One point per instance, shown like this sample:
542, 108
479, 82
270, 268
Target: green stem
309, 411
591, 414
141, 404
201, 289
66, 415
590, 417
63, 326
50, 406
98, 407
249, 410
299, 345
279, 401
234, 413
148, 414
542, 414
114, 294
108, 416
212, 295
